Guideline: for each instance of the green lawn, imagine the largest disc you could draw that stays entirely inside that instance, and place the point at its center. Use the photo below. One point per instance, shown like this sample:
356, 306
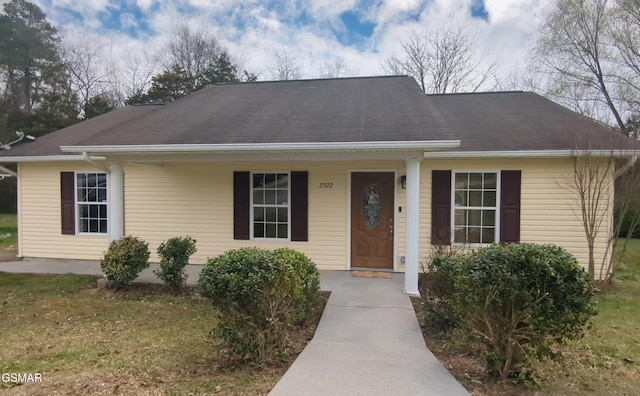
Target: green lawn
8, 232
607, 359
141, 340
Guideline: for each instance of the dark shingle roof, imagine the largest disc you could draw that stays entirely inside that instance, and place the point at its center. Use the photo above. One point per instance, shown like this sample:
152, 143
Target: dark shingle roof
352, 110
50, 144
519, 121
304, 111
345, 110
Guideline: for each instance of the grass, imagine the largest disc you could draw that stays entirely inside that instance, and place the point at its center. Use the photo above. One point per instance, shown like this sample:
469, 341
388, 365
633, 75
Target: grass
605, 361
8, 232
140, 340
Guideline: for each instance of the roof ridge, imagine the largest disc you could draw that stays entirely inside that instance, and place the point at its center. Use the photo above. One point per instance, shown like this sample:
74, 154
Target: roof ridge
309, 79
480, 93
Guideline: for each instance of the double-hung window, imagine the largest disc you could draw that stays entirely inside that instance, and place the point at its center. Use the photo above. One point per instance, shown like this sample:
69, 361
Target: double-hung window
475, 209
91, 202
270, 201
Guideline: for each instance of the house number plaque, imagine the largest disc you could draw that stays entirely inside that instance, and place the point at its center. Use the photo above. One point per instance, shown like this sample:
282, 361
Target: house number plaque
326, 185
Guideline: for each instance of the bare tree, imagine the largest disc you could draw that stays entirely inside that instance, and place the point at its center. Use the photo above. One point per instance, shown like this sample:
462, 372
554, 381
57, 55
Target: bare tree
414, 61
284, 65
198, 52
334, 69
443, 59
574, 47
191, 49
625, 34
87, 57
135, 74
592, 181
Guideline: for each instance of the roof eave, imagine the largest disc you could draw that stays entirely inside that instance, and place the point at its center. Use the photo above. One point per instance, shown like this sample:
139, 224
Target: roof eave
432, 145
531, 154
41, 158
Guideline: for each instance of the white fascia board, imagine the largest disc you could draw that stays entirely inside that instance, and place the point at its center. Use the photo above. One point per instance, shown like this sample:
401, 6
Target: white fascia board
263, 147
530, 154
42, 158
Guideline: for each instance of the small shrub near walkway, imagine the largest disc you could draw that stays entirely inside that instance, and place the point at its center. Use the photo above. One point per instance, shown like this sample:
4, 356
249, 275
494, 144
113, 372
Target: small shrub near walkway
522, 300
258, 294
606, 361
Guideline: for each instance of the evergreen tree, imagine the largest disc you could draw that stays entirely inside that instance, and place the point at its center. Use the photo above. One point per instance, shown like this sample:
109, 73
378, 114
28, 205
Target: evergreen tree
171, 85
96, 106
35, 96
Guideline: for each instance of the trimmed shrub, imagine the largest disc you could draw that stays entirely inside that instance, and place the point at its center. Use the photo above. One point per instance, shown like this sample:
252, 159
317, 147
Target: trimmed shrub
124, 260
438, 295
174, 257
522, 300
258, 294
304, 285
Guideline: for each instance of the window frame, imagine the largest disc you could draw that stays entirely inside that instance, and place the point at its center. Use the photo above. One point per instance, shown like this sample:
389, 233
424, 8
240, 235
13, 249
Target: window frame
77, 203
496, 236
252, 207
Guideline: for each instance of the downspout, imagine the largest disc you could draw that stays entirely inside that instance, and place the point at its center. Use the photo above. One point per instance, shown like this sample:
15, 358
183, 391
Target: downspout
90, 160
630, 164
8, 171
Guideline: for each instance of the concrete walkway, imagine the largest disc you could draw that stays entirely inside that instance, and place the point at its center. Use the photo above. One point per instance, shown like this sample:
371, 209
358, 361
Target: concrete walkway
368, 341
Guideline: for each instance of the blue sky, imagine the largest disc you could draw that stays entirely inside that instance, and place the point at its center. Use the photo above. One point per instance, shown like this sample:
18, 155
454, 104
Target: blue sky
360, 34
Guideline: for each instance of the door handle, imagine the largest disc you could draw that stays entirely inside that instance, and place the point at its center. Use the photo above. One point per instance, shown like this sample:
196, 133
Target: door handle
391, 229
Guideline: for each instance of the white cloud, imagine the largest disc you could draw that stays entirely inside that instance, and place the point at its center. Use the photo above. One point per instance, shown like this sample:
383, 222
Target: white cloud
251, 31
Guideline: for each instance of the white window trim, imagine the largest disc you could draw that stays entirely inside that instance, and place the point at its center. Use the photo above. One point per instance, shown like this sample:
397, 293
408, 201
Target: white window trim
76, 204
251, 214
496, 236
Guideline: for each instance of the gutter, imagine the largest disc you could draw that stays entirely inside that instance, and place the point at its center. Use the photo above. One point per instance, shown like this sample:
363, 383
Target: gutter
41, 158
266, 147
529, 154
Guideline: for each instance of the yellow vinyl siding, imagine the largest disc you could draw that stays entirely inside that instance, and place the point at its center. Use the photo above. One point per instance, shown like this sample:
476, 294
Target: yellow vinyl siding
40, 218
197, 199
547, 205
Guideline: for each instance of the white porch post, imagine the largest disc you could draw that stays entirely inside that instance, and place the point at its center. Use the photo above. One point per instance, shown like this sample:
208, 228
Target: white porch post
115, 212
413, 227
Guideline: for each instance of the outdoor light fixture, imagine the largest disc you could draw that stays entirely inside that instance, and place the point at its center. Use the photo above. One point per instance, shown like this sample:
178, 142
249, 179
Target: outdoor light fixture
403, 181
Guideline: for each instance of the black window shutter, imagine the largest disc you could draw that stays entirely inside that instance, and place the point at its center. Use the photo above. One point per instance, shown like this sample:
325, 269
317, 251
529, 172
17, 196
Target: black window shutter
510, 206
441, 207
68, 218
299, 206
241, 204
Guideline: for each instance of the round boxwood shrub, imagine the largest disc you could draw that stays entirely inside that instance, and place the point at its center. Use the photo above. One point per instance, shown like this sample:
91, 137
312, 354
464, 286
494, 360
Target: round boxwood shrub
258, 294
124, 260
522, 300
174, 257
